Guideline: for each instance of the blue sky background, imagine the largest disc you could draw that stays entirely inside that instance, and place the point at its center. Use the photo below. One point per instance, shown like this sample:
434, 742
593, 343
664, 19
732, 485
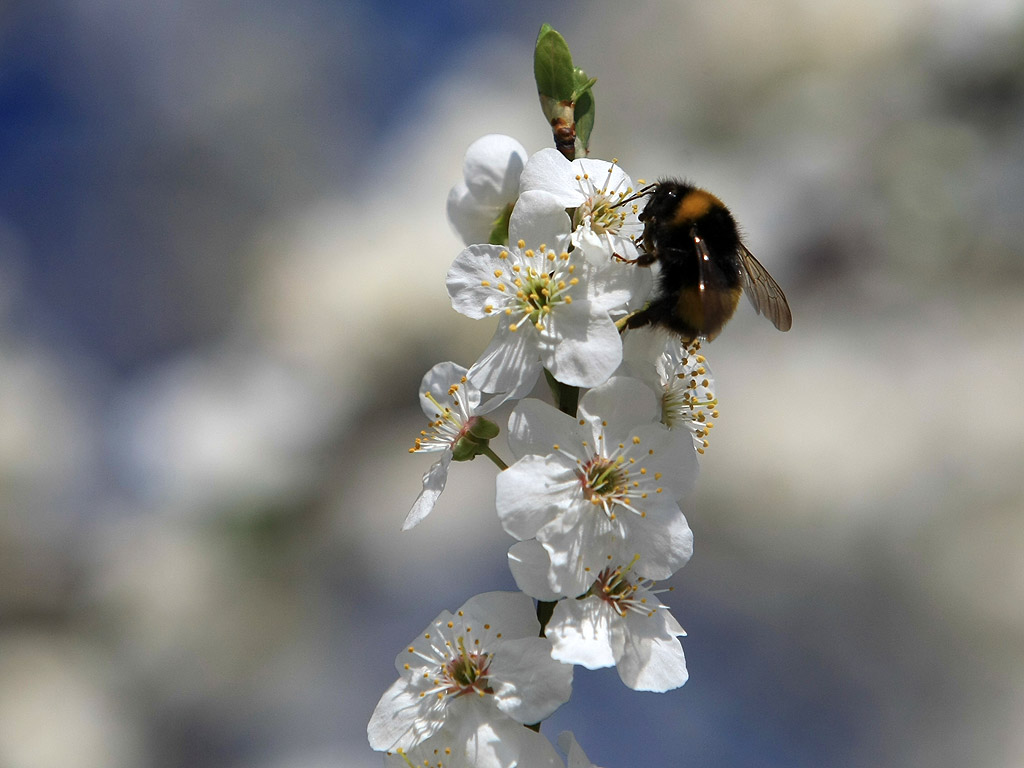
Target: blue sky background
222, 253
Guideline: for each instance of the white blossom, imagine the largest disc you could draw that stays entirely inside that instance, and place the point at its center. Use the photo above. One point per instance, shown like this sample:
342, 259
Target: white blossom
680, 374
603, 228
467, 672
489, 187
594, 190
549, 315
599, 488
443, 384
618, 621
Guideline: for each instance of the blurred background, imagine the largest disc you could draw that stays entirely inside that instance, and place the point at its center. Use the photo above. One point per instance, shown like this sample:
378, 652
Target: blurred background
222, 258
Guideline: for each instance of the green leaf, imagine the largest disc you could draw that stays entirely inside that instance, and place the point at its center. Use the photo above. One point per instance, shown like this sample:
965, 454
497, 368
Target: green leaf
585, 118
499, 227
581, 83
583, 97
552, 65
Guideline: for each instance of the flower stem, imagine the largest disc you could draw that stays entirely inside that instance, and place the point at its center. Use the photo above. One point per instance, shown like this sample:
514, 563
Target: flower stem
490, 454
567, 398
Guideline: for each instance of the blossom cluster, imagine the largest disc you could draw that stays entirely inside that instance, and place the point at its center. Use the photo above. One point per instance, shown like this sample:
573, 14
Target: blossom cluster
595, 485
595, 489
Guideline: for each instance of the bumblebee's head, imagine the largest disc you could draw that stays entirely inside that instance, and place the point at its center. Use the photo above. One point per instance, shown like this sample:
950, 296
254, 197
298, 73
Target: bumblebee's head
677, 203
663, 201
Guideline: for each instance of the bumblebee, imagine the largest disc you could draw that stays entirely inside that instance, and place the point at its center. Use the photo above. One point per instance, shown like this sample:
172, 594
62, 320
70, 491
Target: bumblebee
704, 265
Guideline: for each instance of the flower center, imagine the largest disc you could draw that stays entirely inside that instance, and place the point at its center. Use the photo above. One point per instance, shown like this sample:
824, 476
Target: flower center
449, 426
536, 296
614, 587
604, 481
604, 217
467, 672
541, 280
688, 400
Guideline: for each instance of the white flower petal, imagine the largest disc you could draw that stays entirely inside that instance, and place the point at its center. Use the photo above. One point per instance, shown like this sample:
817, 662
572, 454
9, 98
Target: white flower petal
433, 484
603, 175
470, 218
526, 494
642, 348
492, 168
438, 381
583, 348
500, 742
672, 456
622, 401
491, 171
510, 364
529, 563
619, 286
539, 218
550, 171
580, 633
400, 720
534, 427
469, 281
528, 684
578, 543
662, 538
651, 657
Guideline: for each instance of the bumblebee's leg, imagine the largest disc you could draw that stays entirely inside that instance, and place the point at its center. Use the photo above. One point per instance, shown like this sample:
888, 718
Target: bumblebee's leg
637, 319
643, 260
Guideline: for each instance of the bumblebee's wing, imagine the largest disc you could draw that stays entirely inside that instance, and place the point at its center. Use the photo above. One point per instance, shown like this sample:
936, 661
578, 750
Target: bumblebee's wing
764, 293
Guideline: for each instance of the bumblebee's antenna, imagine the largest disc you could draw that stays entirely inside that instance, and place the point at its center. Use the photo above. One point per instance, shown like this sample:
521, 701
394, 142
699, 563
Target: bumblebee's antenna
636, 195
